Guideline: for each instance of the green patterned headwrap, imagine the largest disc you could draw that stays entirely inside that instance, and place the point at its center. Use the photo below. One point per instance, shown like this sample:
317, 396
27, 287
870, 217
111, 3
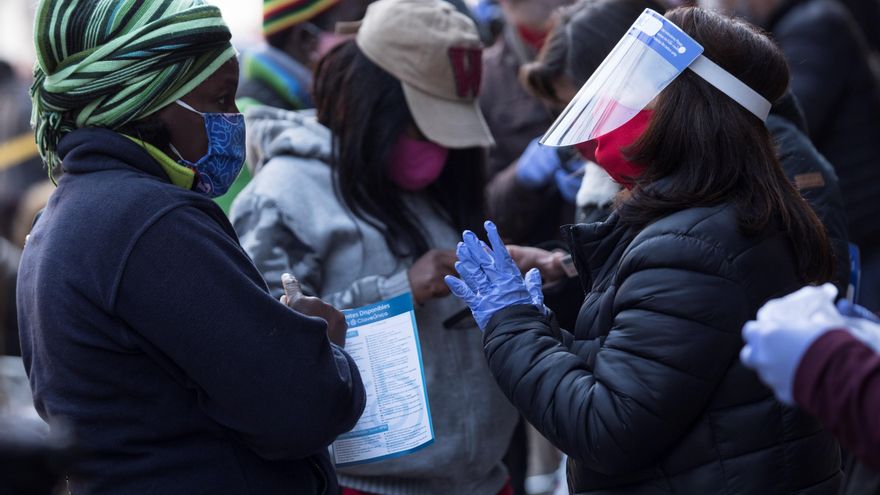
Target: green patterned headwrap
106, 63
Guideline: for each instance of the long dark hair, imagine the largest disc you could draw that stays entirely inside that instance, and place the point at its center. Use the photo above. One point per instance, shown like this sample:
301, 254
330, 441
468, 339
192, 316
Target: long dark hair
365, 108
582, 36
702, 148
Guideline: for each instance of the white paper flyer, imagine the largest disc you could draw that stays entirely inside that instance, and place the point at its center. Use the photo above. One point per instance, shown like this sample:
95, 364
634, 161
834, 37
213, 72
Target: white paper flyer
384, 342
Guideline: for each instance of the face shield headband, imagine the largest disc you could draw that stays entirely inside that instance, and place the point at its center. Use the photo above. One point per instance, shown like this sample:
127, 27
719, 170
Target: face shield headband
652, 54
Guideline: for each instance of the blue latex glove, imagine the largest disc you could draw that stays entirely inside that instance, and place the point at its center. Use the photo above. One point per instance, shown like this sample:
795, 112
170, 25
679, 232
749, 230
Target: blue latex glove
487, 11
490, 280
537, 166
568, 184
847, 308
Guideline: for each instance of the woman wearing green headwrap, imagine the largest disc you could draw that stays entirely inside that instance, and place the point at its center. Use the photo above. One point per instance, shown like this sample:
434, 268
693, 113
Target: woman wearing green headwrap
145, 327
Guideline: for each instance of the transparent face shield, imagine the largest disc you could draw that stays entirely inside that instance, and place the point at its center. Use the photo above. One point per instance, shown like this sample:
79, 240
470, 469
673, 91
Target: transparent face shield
649, 57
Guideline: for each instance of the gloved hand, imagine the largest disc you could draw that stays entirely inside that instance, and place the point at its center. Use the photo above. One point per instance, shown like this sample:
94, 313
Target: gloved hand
487, 11
862, 323
537, 165
568, 184
785, 329
490, 280
847, 308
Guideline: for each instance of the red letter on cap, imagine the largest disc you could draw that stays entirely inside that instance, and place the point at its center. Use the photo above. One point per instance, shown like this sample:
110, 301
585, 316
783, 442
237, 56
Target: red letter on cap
467, 66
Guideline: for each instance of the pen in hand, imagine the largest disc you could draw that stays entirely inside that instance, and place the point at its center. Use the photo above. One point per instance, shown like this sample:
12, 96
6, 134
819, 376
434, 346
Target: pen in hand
292, 289
295, 299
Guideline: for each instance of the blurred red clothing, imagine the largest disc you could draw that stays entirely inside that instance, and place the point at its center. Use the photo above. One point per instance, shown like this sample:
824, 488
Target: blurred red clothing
838, 381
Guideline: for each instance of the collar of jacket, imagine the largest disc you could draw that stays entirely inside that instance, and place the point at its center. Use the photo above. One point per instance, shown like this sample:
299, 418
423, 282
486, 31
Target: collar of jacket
180, 176
95, 150
593, 245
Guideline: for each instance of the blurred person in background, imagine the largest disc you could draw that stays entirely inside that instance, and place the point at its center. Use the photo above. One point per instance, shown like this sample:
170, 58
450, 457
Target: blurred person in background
297, 34
867, 15
516, 119
488, 14
20, 164
144, 325
840, 95
10, 256
581, 37
279, 74
20, 167
365, 204
647, 395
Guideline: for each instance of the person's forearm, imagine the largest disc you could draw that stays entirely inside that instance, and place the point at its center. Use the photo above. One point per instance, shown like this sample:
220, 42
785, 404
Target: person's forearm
838, 381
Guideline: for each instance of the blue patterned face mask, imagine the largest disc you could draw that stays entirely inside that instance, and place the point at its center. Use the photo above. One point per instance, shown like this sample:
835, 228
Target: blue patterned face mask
226, 152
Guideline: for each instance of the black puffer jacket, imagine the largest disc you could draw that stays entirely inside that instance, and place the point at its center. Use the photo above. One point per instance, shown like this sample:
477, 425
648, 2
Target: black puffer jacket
648, 395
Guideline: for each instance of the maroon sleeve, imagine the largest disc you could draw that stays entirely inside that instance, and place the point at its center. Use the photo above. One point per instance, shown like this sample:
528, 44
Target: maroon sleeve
838, 381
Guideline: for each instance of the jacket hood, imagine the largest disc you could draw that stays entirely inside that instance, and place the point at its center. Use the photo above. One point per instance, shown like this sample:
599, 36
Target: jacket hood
94, 149
275, 132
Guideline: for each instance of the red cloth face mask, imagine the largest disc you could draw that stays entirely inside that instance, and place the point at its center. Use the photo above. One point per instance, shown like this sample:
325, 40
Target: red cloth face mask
605, 150
533, 38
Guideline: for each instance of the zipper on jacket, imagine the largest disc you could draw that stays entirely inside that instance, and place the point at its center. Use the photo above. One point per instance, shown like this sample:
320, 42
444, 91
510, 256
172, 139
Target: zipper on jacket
582, 267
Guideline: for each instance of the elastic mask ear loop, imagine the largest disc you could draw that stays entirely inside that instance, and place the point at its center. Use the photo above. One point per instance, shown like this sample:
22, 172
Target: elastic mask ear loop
191, 109
174, 149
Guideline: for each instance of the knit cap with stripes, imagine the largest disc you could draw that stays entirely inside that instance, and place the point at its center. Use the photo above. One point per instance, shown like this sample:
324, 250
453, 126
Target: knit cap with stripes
279, 15
106, 63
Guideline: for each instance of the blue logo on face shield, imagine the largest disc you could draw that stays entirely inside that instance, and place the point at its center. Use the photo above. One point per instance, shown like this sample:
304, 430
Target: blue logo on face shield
667, 39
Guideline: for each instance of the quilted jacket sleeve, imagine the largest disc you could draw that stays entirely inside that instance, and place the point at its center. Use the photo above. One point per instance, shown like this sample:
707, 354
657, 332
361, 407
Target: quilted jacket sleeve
677, 313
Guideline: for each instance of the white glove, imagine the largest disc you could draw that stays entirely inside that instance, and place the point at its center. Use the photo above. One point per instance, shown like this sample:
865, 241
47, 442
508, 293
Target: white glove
785, 329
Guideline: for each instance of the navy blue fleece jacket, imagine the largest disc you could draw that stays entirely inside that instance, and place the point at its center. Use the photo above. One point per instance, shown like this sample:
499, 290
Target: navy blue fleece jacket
147, 329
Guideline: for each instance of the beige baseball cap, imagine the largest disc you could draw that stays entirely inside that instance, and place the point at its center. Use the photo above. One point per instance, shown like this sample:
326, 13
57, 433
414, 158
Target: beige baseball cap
436, 53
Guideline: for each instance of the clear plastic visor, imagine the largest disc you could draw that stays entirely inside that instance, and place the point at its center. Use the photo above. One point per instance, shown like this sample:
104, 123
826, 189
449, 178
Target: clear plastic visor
648, 58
